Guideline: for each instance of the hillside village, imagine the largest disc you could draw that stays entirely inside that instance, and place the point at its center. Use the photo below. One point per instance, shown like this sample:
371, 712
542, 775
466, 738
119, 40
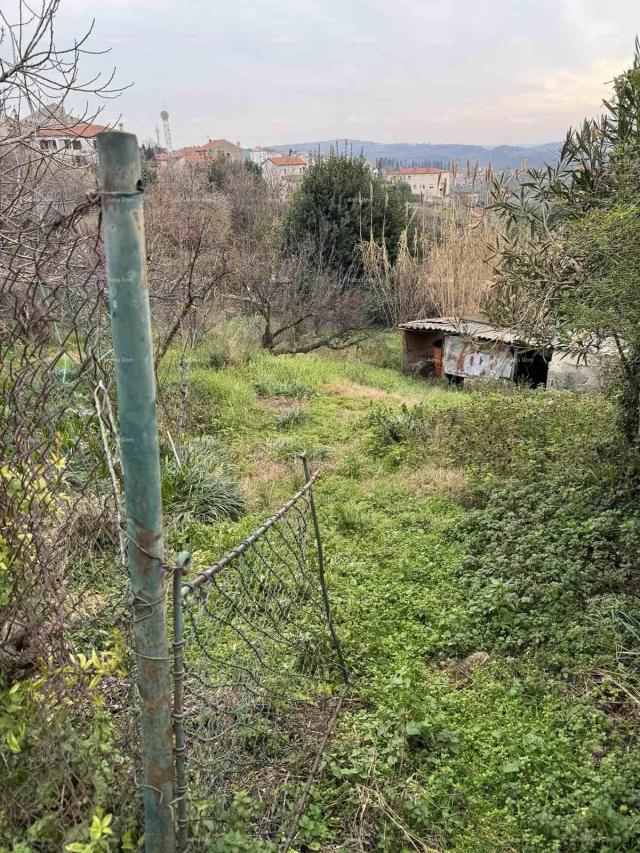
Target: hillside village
55, 131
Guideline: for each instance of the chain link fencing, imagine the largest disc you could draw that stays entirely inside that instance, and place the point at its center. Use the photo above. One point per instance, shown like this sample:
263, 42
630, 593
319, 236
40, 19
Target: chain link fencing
259, 680
63, 585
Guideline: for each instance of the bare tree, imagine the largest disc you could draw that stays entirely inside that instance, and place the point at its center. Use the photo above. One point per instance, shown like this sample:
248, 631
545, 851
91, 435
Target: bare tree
188, 238
40, 183
302, 308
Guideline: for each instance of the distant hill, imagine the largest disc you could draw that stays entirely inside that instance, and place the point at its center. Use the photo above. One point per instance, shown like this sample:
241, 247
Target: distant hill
405, 154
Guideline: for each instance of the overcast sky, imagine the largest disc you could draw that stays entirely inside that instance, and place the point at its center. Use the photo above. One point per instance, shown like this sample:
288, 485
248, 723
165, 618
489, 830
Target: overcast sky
278, 71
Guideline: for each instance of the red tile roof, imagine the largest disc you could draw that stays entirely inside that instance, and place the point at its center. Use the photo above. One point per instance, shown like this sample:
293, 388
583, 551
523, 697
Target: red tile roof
79, 129
288, 161
418, 170
192, 154
195, 154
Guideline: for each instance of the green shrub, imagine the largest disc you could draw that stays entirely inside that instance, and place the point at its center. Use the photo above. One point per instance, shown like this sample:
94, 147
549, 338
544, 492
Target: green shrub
216, 356
202, 487
547, 566
499, 432
63, 753
389, 426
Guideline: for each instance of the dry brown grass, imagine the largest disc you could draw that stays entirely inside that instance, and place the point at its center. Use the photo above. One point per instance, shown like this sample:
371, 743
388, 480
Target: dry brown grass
282, 404
262, 486
344, 388
433, 478
446, 272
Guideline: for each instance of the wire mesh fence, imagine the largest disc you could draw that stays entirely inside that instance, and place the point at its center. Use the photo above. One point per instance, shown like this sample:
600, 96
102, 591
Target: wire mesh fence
63, 604
263, 677
259, 681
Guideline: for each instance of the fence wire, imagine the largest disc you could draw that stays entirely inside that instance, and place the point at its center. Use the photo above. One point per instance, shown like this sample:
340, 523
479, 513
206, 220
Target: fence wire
63, 610
259, 682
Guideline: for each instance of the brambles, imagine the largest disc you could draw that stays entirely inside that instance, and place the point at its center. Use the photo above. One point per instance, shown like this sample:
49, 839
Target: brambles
500, 433
545, 569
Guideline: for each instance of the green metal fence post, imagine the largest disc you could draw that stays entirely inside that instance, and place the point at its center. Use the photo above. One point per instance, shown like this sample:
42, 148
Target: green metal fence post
180, 798
123, 228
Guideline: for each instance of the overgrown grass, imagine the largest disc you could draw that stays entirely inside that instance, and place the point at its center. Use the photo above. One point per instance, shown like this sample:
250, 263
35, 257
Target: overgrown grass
270, 386
293, 416
482, 568
199, 485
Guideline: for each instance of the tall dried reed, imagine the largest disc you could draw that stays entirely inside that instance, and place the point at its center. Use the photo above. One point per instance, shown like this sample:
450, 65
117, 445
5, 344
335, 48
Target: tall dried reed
443, 269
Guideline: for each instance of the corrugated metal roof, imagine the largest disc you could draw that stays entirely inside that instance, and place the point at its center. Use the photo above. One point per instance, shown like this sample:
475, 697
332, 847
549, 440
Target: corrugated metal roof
465, 328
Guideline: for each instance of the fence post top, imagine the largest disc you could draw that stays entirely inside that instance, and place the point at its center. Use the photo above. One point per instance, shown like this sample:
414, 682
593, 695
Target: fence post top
118, 161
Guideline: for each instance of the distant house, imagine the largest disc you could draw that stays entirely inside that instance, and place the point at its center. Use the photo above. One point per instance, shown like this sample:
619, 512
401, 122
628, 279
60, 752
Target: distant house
284, 172
427, 183
55, 151
75, 142
459, 349
259, 155
200, 155
54, 130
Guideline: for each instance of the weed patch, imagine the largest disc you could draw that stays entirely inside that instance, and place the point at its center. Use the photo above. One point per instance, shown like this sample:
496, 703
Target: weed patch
200, 485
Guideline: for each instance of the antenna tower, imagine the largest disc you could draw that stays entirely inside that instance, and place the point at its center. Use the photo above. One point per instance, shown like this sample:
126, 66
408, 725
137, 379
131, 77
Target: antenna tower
164, 115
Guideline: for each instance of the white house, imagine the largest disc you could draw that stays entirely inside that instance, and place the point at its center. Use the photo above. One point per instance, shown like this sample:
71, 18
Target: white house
284, 172
75, 142
426, 182
54, 130
259, 155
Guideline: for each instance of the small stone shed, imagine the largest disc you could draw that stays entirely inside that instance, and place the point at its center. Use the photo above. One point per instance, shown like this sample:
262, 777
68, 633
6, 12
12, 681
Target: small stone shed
584, 372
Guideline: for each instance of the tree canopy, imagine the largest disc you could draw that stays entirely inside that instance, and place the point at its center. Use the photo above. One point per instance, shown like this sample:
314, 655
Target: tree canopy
340, 203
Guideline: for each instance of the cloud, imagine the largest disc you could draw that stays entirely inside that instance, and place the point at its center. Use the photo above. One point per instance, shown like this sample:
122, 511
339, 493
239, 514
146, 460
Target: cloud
591, 21
486, 71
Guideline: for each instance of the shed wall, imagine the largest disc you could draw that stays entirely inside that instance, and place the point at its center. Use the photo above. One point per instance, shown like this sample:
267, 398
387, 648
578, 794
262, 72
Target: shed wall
566, 371
417, 351
478, 359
